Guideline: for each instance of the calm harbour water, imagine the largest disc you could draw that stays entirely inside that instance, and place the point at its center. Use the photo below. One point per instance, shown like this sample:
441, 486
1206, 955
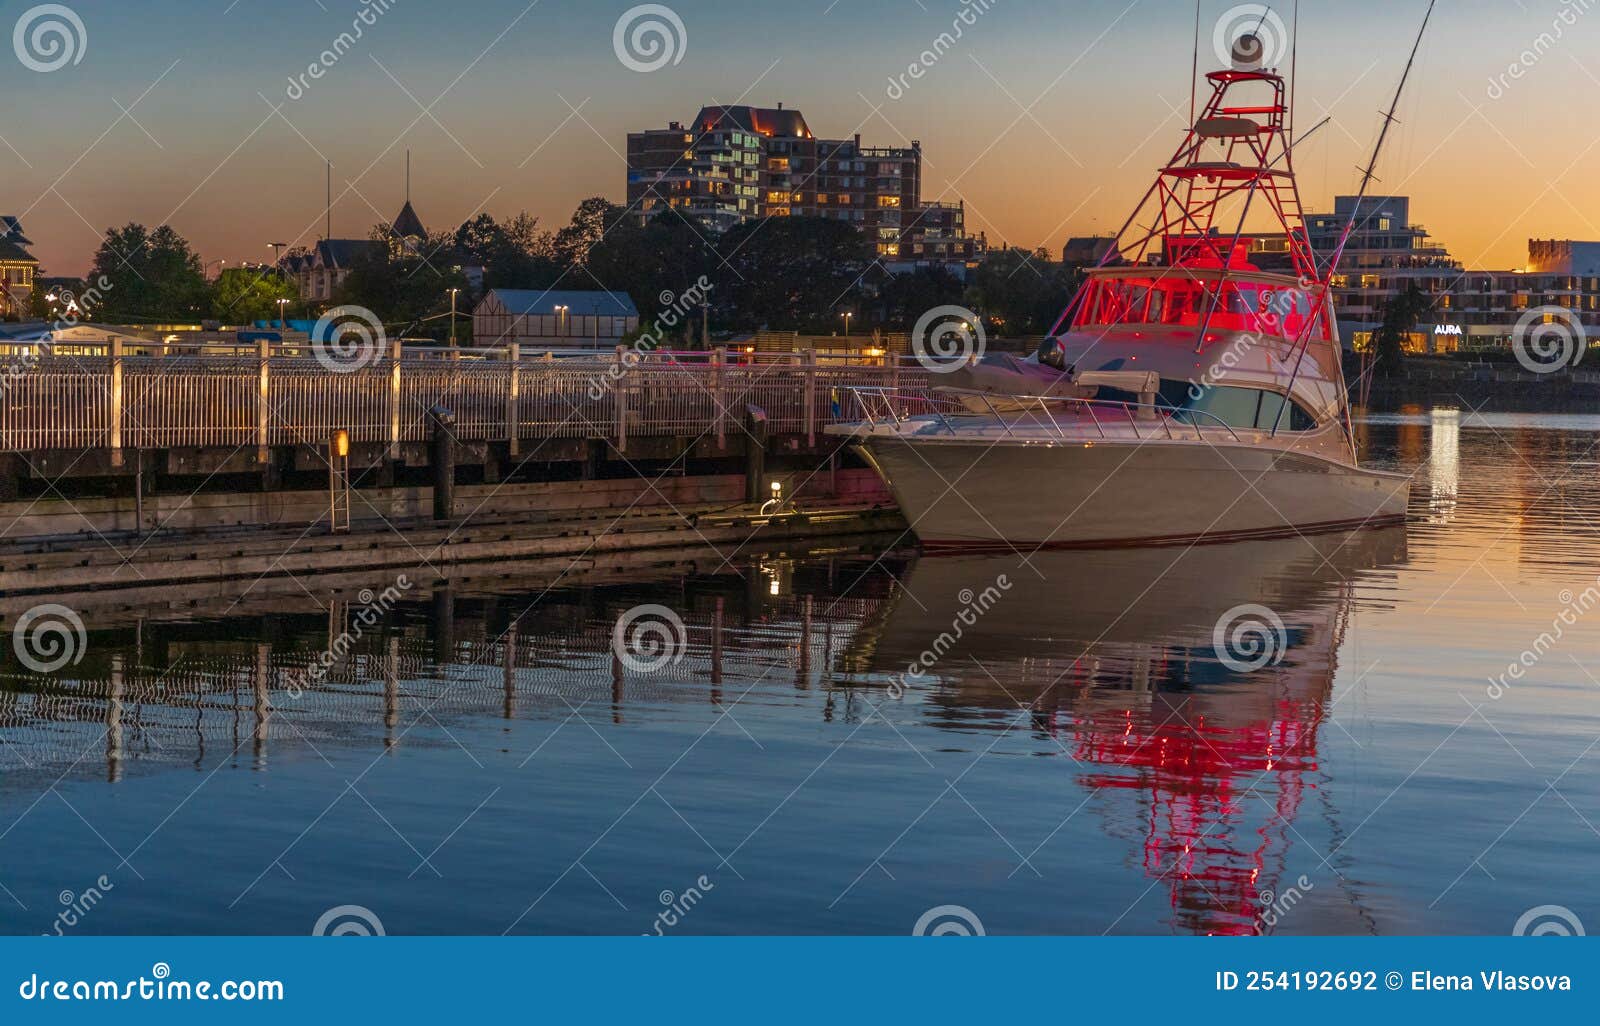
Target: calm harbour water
1080, 760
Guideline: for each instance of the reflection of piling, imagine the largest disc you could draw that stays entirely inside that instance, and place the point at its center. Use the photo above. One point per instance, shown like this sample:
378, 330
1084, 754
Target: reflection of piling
114, 722
617, 677
444, 624
716, 649
510, 670
803, 664
263, 707
391, 691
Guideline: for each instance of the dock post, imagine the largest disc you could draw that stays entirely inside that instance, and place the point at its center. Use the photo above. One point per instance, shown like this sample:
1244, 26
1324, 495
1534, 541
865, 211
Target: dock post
621, 397
443, 424
263, 398
116, 402
513, 394
755, 455
395, 353
809, 375
719, 389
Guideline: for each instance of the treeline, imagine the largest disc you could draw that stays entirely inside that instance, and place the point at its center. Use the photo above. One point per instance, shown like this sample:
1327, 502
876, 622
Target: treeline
786, 273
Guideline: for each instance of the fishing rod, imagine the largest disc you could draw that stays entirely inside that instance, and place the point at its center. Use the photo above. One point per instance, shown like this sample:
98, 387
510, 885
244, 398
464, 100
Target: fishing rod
1324, 286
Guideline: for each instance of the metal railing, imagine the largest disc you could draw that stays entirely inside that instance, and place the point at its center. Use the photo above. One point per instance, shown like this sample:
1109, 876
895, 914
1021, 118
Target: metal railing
1062, 416
126, 396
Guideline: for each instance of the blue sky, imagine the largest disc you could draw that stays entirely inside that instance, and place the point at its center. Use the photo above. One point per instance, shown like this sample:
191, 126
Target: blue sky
1046, 118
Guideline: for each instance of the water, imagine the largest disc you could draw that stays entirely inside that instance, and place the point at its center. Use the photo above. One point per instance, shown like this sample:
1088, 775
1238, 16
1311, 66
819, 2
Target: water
1081, 760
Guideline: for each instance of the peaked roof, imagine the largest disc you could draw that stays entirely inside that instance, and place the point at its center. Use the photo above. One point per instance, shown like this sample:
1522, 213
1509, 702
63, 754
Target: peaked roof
13, 243
408, 224
343, 253
538, 302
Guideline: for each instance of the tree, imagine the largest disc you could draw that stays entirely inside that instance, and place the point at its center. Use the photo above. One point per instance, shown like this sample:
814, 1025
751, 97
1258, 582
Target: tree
904, 298
250, 294
407, 289
594, 219
1401, 314
1021, 293
515, 255
791, 272
152, 276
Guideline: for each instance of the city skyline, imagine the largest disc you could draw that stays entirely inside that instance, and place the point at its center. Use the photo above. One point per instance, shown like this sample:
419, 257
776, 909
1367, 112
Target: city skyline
534, 106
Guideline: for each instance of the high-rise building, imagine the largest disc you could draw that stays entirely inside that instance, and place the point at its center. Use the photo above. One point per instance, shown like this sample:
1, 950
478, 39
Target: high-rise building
735, 164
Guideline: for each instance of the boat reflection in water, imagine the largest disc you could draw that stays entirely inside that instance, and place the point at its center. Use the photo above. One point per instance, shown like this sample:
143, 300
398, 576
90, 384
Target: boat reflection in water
1200, 758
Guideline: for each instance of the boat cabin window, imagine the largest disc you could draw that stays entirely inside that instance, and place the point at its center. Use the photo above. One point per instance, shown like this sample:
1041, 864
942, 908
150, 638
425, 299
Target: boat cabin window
1240, 408
1267, 308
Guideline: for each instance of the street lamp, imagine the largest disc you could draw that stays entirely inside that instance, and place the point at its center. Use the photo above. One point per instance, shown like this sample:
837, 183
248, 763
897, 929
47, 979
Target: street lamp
277, 250
847, 315
283, 315
453, 293
560, 314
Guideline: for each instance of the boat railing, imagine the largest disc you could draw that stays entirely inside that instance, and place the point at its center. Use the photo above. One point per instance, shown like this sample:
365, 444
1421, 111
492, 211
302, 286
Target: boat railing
879, 407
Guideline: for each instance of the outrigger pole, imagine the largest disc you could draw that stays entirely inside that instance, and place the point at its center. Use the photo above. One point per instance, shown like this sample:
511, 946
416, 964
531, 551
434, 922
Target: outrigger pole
1326, 283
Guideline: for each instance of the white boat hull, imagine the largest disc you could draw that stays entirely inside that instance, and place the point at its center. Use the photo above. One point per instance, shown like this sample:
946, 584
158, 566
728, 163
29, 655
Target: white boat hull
974, 493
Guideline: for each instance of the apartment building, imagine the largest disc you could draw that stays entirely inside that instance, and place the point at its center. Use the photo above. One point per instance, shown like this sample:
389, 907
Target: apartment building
733, 164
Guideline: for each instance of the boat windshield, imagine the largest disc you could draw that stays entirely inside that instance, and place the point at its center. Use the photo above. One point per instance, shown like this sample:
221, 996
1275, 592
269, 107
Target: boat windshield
1263, 307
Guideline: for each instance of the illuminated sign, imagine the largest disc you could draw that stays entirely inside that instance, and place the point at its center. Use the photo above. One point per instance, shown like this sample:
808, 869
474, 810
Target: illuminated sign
1448, 329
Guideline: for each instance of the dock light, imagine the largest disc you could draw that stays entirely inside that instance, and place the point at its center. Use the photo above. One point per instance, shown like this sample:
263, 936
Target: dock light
777, 489
341, 444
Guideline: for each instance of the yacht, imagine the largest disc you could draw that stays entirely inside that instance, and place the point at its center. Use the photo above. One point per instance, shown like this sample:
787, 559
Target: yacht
1188, 393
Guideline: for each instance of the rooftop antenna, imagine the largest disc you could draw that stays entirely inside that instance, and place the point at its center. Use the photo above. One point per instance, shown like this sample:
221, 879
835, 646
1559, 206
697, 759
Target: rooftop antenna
408, 176
329, 208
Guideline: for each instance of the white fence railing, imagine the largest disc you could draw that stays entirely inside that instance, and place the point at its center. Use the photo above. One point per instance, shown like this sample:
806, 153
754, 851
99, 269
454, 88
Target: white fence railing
161, 397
